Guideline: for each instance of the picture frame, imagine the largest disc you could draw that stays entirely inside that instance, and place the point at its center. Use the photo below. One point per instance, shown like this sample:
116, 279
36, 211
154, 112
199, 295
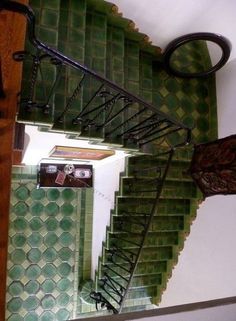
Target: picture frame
69, 152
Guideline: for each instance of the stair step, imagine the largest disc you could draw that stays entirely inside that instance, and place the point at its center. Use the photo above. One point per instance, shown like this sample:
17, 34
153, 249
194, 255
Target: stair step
142, 268
166, 206
72, 44
148, 167
159, 253
143, 187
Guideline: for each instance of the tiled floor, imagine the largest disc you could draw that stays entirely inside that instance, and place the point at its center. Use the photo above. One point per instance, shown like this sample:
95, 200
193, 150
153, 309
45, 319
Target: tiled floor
49, 249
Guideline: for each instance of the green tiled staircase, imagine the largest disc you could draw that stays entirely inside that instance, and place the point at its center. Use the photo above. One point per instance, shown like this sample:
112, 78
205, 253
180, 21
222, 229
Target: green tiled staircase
93, 33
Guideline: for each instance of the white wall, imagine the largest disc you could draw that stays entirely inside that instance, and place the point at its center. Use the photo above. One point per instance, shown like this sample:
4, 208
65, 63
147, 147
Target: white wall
207, 265
226, 313
106, 183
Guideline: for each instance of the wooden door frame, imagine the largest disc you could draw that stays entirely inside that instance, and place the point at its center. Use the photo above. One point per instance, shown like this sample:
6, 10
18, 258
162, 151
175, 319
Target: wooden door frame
12, 37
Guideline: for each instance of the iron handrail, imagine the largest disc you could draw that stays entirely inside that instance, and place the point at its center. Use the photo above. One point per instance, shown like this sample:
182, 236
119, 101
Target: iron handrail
102, 298
28, 12
144, 128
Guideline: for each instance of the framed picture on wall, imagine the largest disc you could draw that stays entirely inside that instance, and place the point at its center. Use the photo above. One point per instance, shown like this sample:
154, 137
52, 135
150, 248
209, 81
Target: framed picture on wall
80, 153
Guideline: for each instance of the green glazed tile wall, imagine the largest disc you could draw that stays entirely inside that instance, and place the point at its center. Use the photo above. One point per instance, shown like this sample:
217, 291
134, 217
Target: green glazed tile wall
47, 21
71, 43
47, 250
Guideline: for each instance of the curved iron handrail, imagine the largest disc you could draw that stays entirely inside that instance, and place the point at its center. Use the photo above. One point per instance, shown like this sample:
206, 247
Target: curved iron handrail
221, 41
28, 12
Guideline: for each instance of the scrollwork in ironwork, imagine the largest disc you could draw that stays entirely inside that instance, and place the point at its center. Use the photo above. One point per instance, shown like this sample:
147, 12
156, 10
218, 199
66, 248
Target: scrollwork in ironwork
100, 299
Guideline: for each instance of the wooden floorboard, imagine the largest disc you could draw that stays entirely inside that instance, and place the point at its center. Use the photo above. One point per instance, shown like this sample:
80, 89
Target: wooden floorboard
12, 33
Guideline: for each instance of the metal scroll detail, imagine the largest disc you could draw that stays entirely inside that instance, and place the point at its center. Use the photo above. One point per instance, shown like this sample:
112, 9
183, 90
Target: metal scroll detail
116, 274
102, 105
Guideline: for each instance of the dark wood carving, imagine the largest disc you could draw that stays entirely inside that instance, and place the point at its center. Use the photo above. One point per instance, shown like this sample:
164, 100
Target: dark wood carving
213, 166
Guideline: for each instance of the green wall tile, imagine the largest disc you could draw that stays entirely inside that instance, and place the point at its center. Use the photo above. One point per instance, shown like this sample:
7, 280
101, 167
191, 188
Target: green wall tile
42, 251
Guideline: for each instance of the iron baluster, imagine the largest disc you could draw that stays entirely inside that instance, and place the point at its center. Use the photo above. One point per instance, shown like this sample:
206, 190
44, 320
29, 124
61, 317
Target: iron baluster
71, 99
59, 66
100, 299
150, 133
34, 74
109, 120
121, 267
112, 282
78, 119
106, 105
121, 253
139, 126
125, 122
161, 136
115, 272
125, 240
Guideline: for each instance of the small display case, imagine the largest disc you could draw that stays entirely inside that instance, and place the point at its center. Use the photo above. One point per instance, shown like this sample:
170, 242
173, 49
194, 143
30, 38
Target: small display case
65, 175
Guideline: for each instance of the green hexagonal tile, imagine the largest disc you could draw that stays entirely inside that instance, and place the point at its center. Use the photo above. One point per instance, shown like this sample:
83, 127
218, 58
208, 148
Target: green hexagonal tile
36, 209
62, 314
189, 121
48, 286
64, 284
66, 224
35, 239
67, 209
31, 303
48, 302
51, 224
15, 317
18, 240
64, 269
20, 224
47, 316
22, 193
32, 287
14, 304
35, 224
203, 124
33, 272
65, 254
31, 316
49, 270
37, 194
68, 194
202, 107
49, 255
63, 299
18, 256
53, 194
34, 255
52, 209
16, 288
66, 239
16, 272
50, 239
20, 208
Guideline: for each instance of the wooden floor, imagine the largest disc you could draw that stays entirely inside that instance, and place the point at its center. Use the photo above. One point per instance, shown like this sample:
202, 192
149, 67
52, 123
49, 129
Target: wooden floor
12, 33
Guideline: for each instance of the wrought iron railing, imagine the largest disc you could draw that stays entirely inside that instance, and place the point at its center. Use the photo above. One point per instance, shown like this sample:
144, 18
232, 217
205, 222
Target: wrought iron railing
122, 257
122, 118
103, 108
